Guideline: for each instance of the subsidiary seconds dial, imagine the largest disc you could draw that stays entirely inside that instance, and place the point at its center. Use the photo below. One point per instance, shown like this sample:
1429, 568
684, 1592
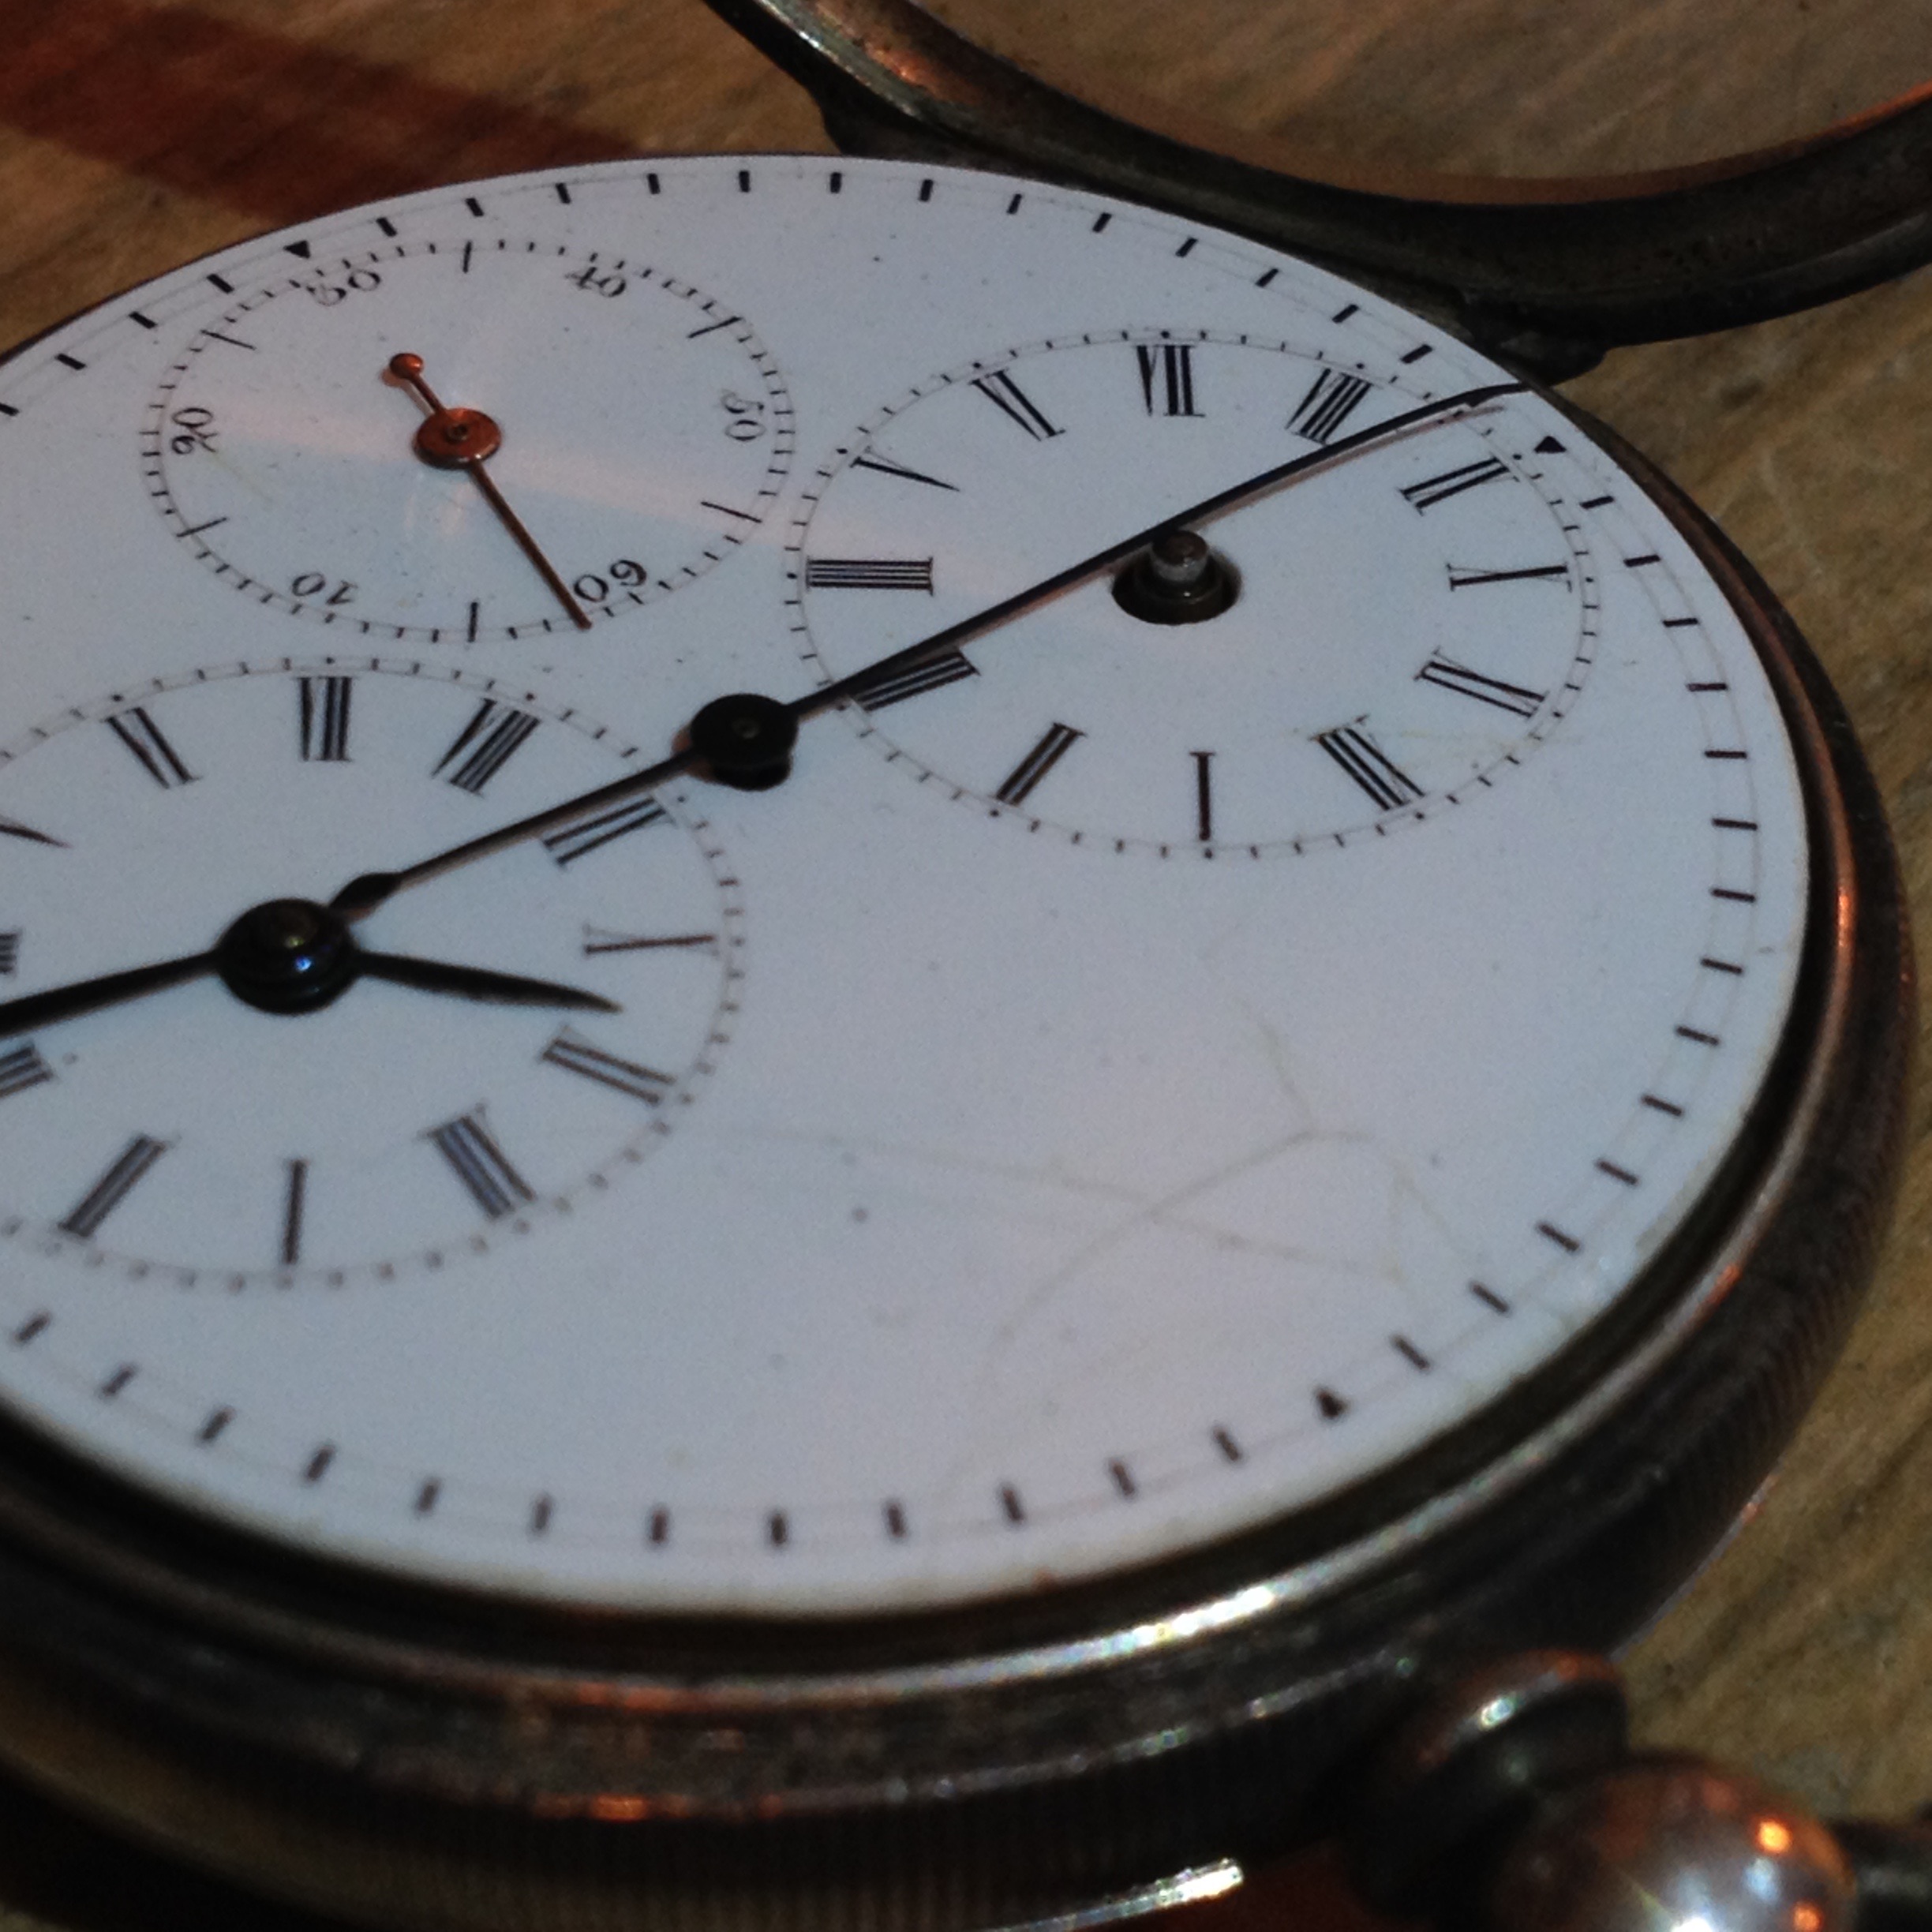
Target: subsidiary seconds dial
1376, 637
582, 433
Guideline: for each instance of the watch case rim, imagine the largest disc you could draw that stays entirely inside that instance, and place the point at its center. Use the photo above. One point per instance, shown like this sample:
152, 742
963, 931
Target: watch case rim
1546, 275
270, 1721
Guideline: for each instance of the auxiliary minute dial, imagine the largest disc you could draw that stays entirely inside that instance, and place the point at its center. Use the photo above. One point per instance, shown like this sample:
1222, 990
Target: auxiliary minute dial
294, 457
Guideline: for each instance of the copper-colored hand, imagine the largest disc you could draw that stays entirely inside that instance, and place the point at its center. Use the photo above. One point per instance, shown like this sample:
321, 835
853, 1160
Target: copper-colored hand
465, 438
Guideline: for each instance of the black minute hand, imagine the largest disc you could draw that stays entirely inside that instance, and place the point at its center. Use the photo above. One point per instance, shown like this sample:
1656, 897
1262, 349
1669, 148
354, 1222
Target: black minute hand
361, 895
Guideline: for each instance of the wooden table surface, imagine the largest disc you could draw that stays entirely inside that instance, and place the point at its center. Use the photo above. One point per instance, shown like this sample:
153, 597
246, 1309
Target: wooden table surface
134, 136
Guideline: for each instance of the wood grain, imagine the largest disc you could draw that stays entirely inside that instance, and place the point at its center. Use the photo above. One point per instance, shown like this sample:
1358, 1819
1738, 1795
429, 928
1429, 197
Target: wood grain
1365, 89
134, 136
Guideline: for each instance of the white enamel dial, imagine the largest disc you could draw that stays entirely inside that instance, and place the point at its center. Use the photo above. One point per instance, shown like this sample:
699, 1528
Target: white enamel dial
645, 432
1050, 1212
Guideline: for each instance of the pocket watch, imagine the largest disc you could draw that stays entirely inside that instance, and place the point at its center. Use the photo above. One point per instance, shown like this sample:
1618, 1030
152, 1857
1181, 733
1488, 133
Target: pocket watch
862, 1025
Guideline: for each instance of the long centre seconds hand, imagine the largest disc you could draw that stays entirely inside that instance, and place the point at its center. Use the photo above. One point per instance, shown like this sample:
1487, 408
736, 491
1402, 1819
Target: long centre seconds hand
778, 722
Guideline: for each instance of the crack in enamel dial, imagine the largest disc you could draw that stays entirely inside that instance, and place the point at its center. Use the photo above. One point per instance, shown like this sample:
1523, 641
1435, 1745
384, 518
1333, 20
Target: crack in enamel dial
645, 432
1395, 633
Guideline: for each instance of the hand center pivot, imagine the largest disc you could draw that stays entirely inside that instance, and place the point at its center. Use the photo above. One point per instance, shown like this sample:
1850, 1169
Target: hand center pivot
288, 956
452, 439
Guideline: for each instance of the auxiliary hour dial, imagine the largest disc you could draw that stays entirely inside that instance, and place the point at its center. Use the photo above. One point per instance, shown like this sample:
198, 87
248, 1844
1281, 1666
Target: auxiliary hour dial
180, 1038
1352, 647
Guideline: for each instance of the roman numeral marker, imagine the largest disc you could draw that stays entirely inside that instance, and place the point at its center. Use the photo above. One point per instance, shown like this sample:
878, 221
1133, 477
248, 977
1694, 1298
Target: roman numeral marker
21, 1067
113, 1187
294, 1198
571, 843
1005, 395
600, 939
1369, 765
1331, 400
1461, 579
1167, 378
576, 1055
324, 714
1458, 678
877, 693
158, 759
1203, 795
495, 732
9, 953
1024, 776
1432, 490
869, 573
481, 1164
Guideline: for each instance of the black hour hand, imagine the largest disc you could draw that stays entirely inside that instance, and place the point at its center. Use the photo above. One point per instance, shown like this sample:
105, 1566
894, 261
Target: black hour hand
33, 1010
479, 982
